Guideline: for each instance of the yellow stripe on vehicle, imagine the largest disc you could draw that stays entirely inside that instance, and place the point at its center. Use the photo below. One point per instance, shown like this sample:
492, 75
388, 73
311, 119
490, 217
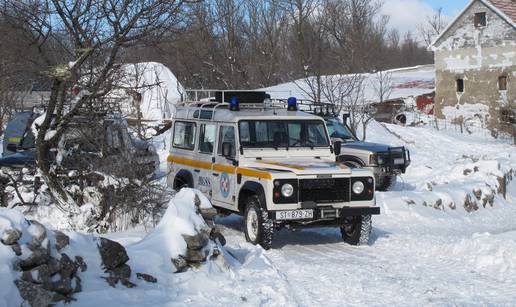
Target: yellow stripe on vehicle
252, 173
189, 162
224, 168
219, 167
298, 167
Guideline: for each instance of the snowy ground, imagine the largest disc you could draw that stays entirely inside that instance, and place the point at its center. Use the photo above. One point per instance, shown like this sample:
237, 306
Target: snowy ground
418, 255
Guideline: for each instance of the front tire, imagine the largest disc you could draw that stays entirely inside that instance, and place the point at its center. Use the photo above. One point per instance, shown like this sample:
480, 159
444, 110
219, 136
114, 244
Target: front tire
385, 182
258, 227
357, 230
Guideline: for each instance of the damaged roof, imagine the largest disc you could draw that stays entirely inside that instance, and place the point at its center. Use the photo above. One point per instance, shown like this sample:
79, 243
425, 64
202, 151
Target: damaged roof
506, 9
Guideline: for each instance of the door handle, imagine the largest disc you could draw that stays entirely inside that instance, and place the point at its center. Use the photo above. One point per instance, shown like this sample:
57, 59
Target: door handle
215, 174
197, 170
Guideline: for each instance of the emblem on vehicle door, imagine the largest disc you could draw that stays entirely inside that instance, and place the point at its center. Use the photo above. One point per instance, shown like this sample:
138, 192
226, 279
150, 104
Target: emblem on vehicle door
225, 186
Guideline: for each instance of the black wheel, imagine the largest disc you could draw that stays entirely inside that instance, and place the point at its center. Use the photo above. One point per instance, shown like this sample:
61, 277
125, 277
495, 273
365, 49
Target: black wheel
258, 227
356, 230
384, 183
179, 183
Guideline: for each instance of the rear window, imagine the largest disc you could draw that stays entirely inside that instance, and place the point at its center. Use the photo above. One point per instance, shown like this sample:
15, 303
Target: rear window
184, 135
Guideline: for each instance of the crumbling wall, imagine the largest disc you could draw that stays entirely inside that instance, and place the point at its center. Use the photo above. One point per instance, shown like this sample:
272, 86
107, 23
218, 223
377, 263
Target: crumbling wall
479, 56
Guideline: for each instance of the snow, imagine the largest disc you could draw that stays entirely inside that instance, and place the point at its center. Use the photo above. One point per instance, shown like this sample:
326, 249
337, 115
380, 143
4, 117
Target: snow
159, 88
427, 248
406, 82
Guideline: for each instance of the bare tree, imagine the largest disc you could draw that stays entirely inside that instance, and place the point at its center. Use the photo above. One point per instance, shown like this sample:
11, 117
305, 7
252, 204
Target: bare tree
432, 27
96, 33
382, 85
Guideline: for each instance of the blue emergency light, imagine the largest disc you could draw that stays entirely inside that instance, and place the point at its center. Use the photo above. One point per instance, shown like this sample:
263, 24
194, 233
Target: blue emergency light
292, 104
233, 104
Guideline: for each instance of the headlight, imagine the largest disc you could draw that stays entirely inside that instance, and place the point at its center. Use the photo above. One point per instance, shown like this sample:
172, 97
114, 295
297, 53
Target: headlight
358, 187
287, 190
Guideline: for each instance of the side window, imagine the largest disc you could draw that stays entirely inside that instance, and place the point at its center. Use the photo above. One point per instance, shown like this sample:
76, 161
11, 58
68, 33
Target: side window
207, 134
227, 135
480, 20
184, 135
460, 85
502, 83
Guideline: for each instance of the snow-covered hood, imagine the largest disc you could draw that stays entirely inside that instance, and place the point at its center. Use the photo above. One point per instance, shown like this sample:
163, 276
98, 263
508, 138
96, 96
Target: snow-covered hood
301, 167
372, 147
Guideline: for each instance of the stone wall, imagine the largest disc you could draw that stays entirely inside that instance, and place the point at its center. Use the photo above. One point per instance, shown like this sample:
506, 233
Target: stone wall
479, 56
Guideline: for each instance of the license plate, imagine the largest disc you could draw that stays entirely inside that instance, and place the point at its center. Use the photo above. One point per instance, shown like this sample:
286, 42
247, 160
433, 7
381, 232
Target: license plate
295, 215
399, 161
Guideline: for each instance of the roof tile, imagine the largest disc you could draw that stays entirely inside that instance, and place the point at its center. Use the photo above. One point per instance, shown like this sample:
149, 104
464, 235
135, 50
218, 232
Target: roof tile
508, 7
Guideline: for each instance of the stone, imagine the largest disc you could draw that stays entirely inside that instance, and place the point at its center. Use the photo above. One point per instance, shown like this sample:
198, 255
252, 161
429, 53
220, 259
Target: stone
208, 213
68, 267
113, 254
79, 262
477, 193
469, 204
54, 266
198, 241
147, 277
197, 202
41, 274
38, 232
62, 286
10, 236
34, 294
121, 272
180, 264
39, 255
62, 240
78, 285
16, 249
195, 256
216, 235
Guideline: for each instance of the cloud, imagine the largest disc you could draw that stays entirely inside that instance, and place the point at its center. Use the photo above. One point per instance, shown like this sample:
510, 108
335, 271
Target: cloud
406, 15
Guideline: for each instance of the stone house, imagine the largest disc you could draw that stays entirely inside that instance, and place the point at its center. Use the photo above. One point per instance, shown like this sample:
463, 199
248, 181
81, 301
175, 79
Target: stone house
475, 59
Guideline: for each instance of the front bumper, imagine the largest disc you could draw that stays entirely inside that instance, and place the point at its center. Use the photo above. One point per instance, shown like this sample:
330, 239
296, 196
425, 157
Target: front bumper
393, 162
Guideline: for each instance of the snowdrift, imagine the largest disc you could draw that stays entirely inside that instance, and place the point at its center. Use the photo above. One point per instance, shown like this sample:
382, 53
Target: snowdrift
154, 90
406, 82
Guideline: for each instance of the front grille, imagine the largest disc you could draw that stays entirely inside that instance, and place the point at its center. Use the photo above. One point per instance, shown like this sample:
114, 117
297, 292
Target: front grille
331, 190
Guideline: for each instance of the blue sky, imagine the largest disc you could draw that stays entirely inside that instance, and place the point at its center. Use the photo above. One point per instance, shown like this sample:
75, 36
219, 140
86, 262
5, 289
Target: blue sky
450, 7
406, 15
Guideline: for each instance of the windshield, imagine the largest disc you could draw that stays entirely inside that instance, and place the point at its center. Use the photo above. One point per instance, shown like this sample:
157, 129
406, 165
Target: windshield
274, 134
338, 130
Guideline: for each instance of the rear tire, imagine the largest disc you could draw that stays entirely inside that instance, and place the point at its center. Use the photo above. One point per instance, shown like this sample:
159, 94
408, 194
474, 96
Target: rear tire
258, 227
385, 183
179, 183
357, 231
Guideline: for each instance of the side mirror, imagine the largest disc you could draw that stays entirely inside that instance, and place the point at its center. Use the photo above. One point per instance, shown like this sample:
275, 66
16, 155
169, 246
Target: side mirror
227, 149
337, 147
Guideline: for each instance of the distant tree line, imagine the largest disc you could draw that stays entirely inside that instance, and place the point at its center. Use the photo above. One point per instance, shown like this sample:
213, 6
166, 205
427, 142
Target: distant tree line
228, 43
251, 44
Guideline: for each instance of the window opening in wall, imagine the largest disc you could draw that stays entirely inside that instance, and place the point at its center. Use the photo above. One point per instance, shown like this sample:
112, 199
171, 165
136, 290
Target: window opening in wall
460, 85
480, 20
502, 83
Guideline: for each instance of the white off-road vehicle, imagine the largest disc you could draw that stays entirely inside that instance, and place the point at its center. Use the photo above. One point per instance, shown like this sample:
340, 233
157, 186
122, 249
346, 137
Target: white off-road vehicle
270, 163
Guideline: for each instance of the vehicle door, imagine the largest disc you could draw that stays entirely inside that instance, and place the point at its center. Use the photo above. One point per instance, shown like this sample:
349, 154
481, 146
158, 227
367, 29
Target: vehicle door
224, 168
183, 149
206, 157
